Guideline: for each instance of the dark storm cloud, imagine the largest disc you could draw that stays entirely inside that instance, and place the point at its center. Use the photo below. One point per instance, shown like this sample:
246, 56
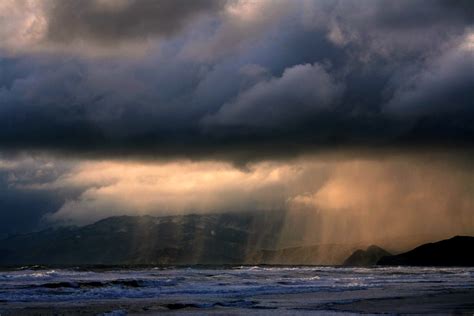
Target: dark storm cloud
301, 91
22, 206
444, 85
250, 81
310, 76
109, 21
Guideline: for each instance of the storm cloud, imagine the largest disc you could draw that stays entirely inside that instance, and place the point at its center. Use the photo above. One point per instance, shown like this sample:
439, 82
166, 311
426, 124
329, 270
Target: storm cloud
423, 197
250, 80
354, 111
53, 25
109, 22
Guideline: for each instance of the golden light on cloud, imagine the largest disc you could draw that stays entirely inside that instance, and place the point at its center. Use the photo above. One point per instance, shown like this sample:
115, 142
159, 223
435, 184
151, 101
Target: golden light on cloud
468, 43
246, 9
170, 188
23, 24
327, 201
369, 200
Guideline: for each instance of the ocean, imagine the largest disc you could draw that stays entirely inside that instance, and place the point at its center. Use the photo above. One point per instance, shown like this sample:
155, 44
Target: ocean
236, 290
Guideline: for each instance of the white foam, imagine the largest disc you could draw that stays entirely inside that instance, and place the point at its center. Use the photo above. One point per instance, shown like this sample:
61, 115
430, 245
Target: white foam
57, 285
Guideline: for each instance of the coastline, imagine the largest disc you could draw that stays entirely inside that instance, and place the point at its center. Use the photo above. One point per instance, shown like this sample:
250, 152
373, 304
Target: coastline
360, 301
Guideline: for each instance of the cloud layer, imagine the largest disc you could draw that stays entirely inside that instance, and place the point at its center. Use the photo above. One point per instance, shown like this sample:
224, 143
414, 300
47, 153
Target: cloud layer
109, 22
223, 93
86, 26
246, 80
328, 201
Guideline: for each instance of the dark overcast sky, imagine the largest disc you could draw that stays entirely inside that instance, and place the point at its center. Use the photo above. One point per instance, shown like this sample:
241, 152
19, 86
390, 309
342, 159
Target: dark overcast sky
231, 80
207, 77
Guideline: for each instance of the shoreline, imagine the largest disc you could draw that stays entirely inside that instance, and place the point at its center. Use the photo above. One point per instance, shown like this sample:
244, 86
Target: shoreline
360, 301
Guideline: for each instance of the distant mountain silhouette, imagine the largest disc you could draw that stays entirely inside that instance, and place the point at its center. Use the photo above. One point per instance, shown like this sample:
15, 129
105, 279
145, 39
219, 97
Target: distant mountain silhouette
367, 257
227, 238
187, 239
457, 251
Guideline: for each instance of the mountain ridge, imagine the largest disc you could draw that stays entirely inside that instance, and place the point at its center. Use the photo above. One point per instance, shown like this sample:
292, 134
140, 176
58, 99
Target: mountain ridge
455, 251
209, 239
368, 257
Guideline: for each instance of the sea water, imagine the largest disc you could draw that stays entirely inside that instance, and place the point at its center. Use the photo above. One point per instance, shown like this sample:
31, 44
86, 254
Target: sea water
237, 287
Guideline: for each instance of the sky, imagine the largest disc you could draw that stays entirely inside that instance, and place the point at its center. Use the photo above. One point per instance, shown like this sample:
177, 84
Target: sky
358, 111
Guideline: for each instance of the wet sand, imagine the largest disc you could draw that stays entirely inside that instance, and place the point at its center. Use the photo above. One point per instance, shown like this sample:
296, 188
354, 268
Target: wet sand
460, 302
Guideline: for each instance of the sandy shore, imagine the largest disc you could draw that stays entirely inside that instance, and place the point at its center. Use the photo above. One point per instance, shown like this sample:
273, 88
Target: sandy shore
369, 302
461, 302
